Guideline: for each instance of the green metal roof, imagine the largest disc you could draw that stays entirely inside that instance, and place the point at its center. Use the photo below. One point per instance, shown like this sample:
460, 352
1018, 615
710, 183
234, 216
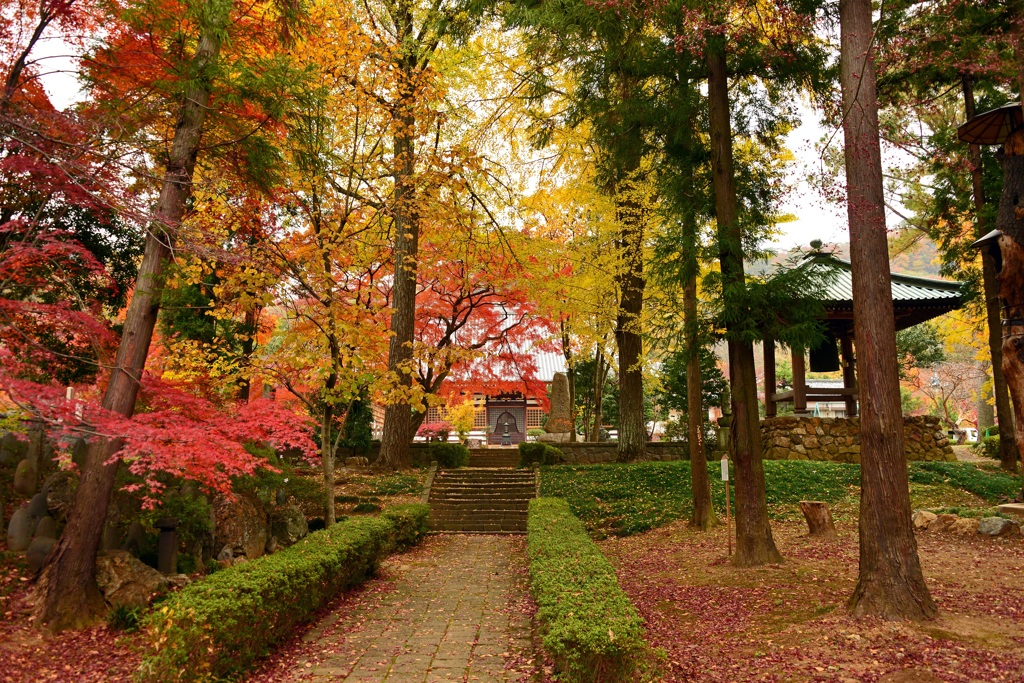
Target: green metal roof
915, 299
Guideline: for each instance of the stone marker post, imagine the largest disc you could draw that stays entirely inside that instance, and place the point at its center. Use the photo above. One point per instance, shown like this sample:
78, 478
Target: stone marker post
167, 545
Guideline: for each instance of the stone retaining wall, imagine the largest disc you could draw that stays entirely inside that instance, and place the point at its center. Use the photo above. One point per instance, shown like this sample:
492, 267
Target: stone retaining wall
838, 439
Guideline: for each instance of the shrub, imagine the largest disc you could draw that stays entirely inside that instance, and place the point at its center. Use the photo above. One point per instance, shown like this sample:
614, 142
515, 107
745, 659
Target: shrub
449, 454
988, 447
589, 626
545, 454
207, 629
434, 431
124, 618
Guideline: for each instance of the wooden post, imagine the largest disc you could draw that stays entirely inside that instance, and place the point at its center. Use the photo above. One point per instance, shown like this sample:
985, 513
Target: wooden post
849, 372
819, 518
770, 407
799, 382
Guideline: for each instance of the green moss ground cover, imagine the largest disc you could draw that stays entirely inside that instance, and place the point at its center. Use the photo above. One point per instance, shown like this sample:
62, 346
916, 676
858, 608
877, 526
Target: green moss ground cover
625, 499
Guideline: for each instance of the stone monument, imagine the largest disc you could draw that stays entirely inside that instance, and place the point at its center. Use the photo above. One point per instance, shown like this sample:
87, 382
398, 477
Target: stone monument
560, 424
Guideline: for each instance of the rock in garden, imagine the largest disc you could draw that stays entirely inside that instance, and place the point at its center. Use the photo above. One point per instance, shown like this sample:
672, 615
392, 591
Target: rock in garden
943, 522
178, 581
12, 449
271, 545
124, 580
136, 539
357, 461
225, 554
80, 452
47, 528
240, 524
923, 519
998, 526
37, 506
37, 552
60, 489
25, 478
289, 525
964, 526
20, 529
560, 417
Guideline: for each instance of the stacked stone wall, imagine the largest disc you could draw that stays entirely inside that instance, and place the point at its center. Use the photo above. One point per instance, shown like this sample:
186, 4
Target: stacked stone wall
838, 439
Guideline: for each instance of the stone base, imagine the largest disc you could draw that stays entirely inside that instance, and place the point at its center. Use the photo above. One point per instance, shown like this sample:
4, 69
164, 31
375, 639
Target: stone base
838, 439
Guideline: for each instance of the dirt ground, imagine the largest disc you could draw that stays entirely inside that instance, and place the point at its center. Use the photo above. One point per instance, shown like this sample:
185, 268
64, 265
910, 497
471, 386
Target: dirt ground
709, 621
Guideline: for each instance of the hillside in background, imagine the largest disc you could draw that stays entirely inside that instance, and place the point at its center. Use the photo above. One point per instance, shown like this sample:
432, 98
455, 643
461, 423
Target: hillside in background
908, 255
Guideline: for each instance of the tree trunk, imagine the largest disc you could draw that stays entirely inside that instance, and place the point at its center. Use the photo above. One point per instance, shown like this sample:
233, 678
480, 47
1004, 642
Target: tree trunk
754, 542
703, 513
396, 439
1007, 446
327, 450
819, 518
66, 594
631, 216
891, 584
600, 377
1010, 220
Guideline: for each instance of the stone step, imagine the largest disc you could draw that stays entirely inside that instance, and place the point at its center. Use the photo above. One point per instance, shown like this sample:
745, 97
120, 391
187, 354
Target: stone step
481, 495
451, 518
470, 505
483, 487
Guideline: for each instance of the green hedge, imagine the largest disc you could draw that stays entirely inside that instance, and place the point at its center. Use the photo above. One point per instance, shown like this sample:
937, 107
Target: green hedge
533, 451
449, 454
219, 626
988, 447
589, 626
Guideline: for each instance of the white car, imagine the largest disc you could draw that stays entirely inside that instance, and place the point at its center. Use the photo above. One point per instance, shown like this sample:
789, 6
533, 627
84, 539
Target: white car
972, 434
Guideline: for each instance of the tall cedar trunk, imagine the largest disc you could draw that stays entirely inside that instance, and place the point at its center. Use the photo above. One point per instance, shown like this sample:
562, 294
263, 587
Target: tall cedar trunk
1007, 446
703, 513
754, 542
1010, 220
396, 438
890, 584
66, 593
631, 215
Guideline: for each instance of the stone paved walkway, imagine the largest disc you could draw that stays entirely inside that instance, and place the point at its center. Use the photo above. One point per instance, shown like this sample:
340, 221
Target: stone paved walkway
450, 617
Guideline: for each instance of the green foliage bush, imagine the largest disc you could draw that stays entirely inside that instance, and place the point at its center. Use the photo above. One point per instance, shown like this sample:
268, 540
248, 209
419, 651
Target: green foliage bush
449, 454
589, 626
545, 454
988, 447
217, 627
993, 486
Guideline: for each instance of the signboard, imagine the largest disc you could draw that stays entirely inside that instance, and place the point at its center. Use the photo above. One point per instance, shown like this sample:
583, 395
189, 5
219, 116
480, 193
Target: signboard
725, 468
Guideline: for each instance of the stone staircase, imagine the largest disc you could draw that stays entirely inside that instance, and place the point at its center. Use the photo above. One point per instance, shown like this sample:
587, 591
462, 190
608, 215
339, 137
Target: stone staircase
481, 500
494, 457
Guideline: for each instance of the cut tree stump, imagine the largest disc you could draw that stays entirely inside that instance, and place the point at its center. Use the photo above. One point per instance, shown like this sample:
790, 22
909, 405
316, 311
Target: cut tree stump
819, 518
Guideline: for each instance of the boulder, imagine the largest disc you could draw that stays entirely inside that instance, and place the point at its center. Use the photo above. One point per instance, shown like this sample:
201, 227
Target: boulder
560, 416
225, 554
178, 581
25, 478
37, 506
241, 525
289, 525
37, 552
964, 526
357, 461
923, 519
943, 522
136, 541
20, 530
124, 580
998, 526
47, 528
60, 489
272, 546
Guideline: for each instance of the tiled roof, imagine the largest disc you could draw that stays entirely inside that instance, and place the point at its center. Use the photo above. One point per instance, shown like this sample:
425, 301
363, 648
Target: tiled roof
905, 288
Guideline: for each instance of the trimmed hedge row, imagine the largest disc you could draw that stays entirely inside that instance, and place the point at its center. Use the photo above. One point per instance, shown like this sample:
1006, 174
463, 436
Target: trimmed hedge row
218, 626
589, 626
449, 455
534, 451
